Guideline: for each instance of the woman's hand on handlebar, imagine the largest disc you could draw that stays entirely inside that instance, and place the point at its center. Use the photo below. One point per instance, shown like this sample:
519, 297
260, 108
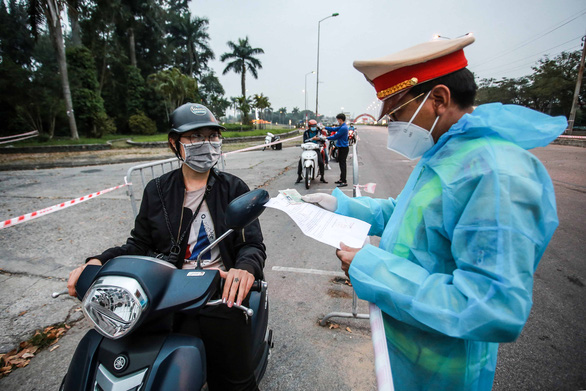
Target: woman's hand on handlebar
239, 282
75, 273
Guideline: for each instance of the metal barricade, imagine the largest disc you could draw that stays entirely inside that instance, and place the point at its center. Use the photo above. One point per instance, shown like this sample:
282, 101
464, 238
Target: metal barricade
146, 172
354, 313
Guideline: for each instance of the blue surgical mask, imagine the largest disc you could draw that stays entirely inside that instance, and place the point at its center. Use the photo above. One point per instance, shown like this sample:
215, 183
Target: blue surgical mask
313, 129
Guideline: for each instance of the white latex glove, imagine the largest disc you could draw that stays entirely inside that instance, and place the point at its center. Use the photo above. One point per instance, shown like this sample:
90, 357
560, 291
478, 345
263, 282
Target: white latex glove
323, 200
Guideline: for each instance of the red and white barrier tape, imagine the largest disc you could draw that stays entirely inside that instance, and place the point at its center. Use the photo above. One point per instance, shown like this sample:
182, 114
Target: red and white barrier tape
261, 146
572, 137
55, 208
18, 137
34, 132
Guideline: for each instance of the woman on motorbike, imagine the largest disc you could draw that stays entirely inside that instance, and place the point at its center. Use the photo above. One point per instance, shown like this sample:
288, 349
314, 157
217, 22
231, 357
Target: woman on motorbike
181, 213
312, 135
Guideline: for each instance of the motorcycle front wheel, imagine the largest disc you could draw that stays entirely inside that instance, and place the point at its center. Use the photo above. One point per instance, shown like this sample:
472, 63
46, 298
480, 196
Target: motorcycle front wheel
307, 177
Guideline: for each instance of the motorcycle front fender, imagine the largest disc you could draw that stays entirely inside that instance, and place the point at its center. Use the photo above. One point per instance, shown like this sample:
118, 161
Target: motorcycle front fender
177, 362
180, 365
82, 368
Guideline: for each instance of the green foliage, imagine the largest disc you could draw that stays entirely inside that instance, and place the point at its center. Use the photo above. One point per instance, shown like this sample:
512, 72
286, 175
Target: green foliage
549, 89
141, 124
123, 42
242, 59
190, 40
173, 87
104, 124
237, 127
88, 105
135, 90
211, 94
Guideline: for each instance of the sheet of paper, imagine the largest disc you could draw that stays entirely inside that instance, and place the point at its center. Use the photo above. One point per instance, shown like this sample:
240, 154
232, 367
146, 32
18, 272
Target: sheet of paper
322, 225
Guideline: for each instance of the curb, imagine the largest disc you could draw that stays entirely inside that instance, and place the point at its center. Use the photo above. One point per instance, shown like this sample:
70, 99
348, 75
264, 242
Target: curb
573, 141
80, 163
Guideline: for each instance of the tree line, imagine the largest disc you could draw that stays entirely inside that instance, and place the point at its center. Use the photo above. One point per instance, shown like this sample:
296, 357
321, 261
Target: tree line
549, 89
92, 68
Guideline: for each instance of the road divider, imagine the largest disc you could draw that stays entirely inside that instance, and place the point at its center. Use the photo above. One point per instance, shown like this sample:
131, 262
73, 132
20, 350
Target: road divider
55, 208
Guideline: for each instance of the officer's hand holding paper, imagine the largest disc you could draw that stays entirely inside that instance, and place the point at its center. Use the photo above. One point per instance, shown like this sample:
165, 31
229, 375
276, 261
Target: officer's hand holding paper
320, 224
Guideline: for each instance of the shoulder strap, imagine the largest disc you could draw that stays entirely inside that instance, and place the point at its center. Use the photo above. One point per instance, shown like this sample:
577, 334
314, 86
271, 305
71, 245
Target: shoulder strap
176, 245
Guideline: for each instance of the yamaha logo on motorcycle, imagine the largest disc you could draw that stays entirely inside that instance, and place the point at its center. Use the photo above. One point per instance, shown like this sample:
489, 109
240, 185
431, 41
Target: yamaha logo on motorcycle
120, 363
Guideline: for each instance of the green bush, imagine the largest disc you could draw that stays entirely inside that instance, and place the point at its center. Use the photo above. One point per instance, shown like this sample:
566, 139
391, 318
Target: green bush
237, 127
141, 124
104, 124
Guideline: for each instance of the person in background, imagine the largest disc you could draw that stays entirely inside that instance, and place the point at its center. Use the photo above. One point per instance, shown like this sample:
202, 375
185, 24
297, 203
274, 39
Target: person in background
453, 274
312, 135
341, 140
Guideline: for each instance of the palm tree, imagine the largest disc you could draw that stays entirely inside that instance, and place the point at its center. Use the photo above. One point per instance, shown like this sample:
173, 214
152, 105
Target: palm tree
175, 87
262, 103
244, 105
243, 59
282, 113
192, 35
234, 105
50, 10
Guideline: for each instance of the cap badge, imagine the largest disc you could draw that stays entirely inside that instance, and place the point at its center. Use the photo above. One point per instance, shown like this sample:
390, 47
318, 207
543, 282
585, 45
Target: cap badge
198, 110
397, 87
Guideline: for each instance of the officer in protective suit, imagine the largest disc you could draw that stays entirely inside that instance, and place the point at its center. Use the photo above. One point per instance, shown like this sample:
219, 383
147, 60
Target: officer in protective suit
453, 274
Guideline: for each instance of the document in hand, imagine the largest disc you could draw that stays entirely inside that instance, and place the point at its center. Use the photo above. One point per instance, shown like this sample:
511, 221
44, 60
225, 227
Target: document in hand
322, 225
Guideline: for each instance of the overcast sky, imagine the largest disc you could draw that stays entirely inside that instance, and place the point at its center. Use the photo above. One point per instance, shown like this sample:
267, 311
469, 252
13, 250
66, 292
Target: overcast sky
511, 35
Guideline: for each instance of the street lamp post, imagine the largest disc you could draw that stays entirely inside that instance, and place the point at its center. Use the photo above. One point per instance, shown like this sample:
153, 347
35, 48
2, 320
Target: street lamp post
317, 81
307, 74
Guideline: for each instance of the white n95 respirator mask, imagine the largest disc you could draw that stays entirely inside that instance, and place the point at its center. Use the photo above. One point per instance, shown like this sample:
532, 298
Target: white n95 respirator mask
408, 139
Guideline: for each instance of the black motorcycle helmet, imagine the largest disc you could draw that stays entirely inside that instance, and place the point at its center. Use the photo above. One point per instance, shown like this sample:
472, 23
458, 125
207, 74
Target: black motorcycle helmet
188, 117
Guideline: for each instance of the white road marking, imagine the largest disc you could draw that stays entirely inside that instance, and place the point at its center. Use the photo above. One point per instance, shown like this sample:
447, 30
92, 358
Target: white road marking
308, 271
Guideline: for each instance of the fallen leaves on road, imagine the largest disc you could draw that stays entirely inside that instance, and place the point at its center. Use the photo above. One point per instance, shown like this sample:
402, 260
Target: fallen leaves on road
21, 357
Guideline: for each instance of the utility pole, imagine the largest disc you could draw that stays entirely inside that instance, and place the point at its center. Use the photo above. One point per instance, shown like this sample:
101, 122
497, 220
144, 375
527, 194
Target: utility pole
577, 90
317, 79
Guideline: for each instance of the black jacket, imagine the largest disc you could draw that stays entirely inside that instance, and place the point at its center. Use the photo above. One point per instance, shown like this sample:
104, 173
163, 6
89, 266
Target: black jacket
242, 249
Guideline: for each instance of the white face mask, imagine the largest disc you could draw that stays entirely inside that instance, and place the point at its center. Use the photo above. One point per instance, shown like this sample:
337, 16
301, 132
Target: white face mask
408, 139
202, 156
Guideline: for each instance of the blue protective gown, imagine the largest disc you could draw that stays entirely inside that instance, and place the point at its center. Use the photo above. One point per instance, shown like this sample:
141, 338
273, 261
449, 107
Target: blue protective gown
453, 273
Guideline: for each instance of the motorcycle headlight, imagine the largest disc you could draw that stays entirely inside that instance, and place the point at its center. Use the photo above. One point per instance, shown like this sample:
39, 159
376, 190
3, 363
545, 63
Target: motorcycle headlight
114, 305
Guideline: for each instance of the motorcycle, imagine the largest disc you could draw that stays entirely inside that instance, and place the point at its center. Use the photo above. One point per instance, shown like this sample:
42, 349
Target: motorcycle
332, 149
352, 136
130, 300
271, 138
309, 165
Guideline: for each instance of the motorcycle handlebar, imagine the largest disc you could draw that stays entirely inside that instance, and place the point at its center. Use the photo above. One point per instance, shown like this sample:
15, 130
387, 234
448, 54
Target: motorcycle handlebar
258, 285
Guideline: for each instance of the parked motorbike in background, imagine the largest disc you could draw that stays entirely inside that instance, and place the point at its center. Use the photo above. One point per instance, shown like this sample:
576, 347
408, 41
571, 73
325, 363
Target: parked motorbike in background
271, 138
309, 164
130, 302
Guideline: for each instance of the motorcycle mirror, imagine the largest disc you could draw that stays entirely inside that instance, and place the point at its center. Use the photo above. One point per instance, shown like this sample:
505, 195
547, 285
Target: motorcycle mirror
246, 208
